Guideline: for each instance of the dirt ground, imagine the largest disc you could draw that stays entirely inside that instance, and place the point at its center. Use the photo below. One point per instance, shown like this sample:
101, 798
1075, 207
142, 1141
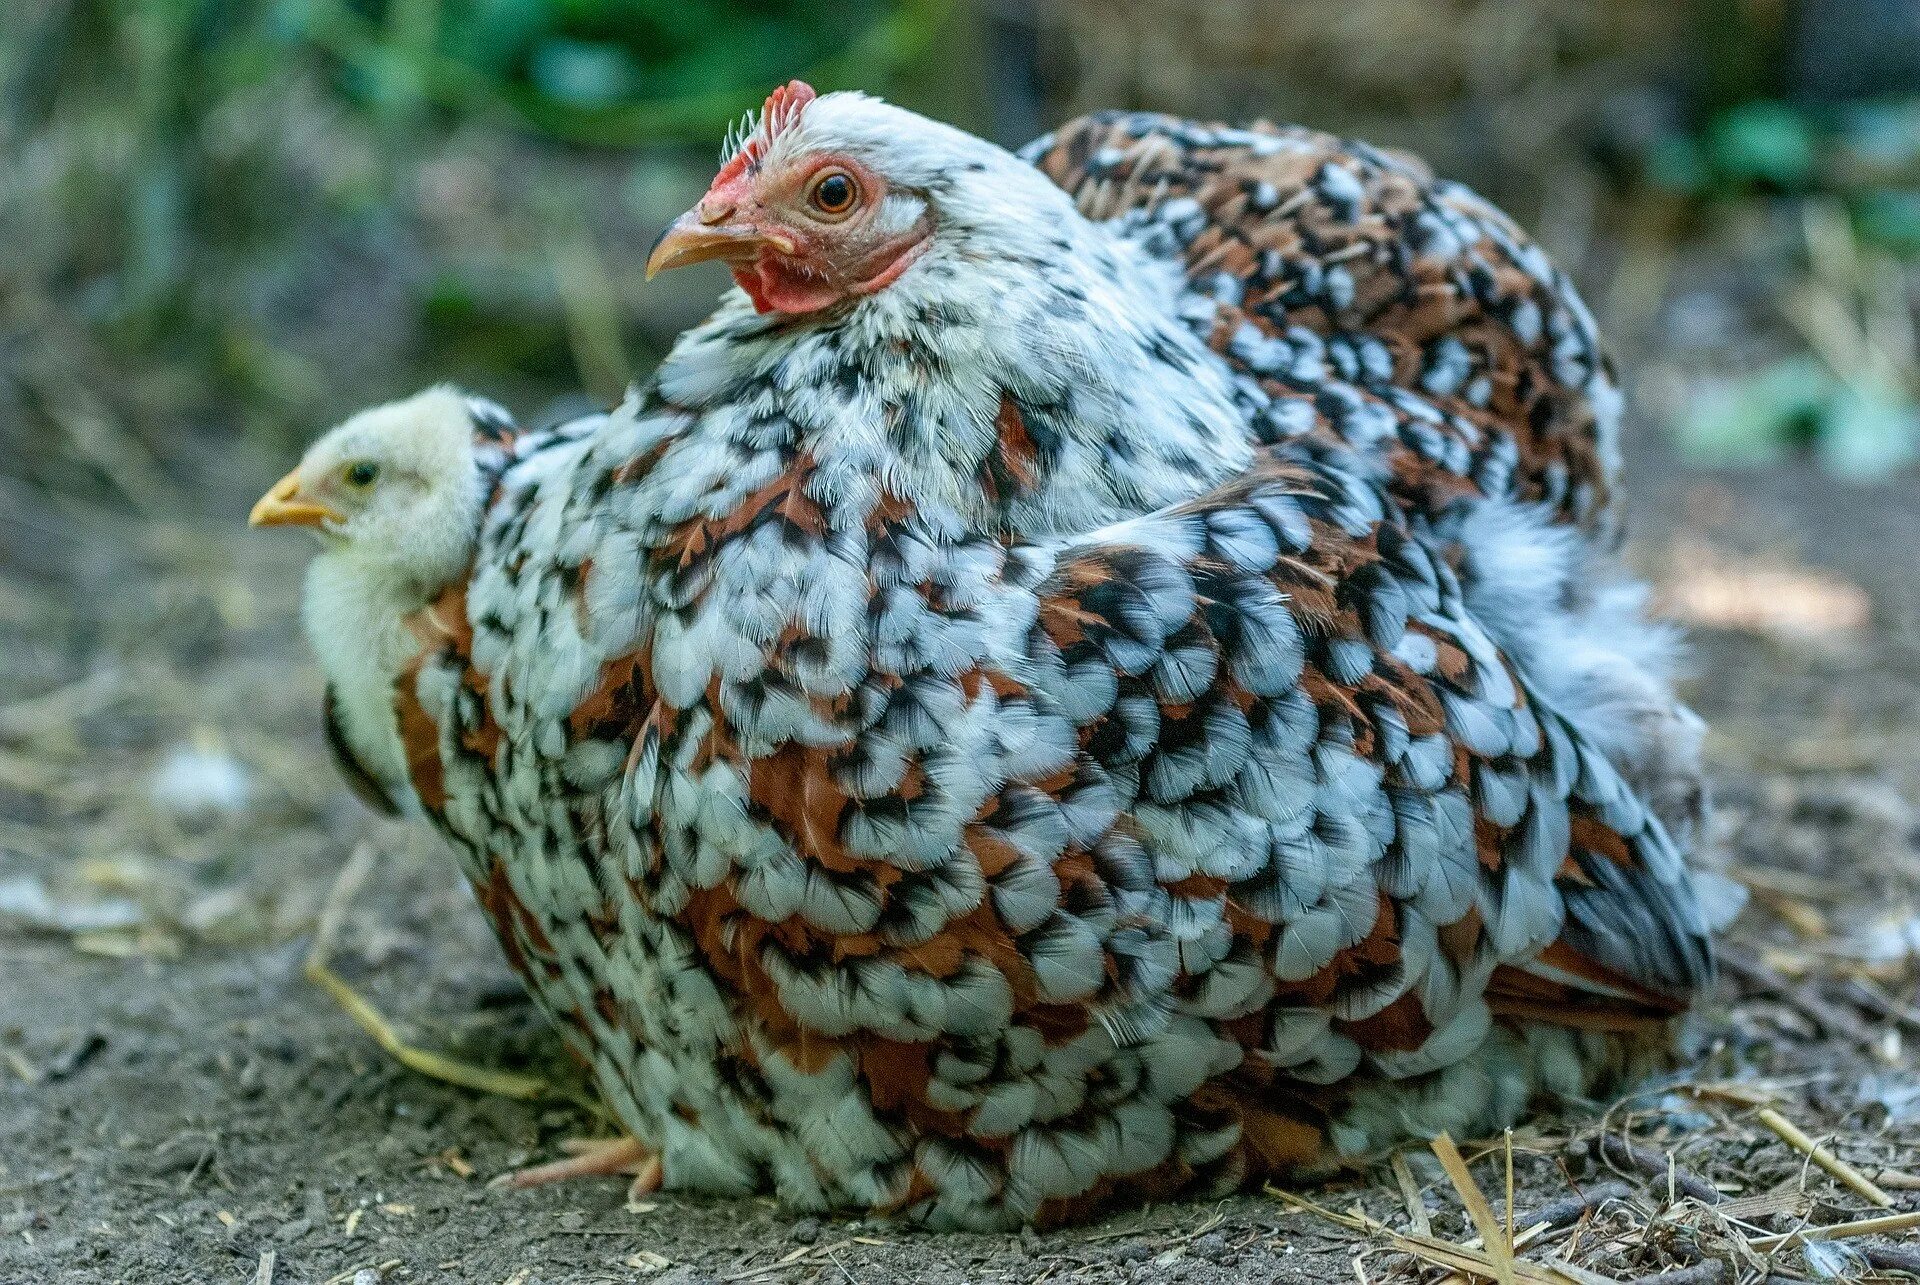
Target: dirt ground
178, 1104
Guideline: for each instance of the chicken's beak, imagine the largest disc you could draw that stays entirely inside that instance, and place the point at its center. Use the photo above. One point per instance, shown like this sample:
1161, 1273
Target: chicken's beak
712, 230
285, 506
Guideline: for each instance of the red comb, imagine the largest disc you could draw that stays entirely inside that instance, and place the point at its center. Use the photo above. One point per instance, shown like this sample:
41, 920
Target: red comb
782, 109
784, 106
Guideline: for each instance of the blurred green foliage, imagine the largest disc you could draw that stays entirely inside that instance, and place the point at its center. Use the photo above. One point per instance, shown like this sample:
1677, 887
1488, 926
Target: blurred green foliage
613, 72
268, 209
1866, 155
170, 96
233, 209
1852, 174
1860, 429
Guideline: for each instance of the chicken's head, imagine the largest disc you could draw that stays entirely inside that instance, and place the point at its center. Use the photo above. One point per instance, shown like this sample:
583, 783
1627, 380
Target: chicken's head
827, 198
398, 484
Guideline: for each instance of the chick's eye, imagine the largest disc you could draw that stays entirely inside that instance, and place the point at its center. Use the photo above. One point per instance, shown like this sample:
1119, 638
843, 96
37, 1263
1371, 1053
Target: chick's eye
834, 192
362, 474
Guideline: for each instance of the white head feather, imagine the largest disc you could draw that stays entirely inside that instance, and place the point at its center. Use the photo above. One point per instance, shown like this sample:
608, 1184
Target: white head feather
1009, 291
404, 485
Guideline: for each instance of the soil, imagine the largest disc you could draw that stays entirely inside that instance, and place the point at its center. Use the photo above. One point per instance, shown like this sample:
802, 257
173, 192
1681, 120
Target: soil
178, 1104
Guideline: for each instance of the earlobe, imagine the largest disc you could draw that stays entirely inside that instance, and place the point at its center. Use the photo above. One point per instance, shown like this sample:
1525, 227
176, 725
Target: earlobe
777, 286
891, 273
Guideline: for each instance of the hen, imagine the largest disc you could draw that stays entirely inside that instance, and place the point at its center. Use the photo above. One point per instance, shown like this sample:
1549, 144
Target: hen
926, 758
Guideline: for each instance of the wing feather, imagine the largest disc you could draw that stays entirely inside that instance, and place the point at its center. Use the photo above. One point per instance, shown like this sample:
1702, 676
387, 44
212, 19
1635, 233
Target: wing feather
1464, 353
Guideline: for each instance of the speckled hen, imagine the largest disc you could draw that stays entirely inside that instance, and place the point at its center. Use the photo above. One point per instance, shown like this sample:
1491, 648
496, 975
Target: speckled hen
930, 755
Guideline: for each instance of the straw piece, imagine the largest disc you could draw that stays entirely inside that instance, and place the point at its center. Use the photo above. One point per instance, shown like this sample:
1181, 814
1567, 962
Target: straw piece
1746, 1095
1839, 1231
1580, 1275
1507, 1138
508, 1084
1498, 1248
1410, 1193
1791, 1135
1438, 1252
1444, 1253
1531, 1232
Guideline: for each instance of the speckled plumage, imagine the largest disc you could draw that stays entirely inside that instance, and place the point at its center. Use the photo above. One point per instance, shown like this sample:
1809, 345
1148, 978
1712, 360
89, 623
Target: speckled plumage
1439, 344
898, 815
1317, 260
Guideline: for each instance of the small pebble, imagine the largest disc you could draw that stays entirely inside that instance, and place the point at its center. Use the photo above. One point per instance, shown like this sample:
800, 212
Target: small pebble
806, 1231
198, 781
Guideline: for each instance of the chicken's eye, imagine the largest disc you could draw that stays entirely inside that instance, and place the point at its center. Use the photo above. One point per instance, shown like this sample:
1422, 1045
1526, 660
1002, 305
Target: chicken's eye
361, 474
834, 192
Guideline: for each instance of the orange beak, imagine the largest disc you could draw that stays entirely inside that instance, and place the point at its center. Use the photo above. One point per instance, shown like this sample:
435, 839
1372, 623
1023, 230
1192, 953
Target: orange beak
712, 230
283, 505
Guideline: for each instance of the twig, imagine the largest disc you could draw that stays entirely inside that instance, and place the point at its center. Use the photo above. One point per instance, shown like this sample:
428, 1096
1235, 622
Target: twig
264, 1274
1897, 1179
819, 1256
1558, 1213
1804, 997
1870, 996
1658, 1164
1790, 1134
1892, 1258
843, 1270
1708, 1273
1433, 1250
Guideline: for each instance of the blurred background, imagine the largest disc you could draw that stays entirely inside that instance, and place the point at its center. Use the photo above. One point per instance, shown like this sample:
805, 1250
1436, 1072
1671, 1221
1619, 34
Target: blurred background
244, 217
224, 224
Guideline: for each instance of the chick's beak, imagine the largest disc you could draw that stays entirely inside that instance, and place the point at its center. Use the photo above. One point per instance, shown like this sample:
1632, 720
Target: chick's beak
713, 229
284, 505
